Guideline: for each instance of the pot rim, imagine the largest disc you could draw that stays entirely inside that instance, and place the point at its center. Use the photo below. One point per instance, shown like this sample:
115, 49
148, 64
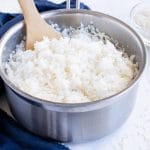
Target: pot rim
71, 107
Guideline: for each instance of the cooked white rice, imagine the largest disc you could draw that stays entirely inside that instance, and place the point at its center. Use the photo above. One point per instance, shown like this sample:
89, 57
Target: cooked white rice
79, 69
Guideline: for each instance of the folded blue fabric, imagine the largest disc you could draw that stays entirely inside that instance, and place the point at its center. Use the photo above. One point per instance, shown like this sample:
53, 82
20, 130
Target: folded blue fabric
12, 135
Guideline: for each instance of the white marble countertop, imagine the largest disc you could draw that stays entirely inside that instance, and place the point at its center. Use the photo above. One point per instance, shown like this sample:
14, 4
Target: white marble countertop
135, 133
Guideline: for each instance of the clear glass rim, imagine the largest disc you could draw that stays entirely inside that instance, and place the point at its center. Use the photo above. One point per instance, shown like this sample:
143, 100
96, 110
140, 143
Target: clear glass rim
137, 27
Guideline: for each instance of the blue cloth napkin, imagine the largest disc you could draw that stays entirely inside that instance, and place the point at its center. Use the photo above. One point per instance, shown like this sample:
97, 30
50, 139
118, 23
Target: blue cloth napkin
12, 135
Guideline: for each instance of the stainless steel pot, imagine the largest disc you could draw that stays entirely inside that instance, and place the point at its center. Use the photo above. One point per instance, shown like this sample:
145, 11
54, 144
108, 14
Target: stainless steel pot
74, 122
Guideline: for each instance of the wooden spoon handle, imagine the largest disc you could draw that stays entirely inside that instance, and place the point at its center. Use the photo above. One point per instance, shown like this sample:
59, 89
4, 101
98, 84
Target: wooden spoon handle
29, 10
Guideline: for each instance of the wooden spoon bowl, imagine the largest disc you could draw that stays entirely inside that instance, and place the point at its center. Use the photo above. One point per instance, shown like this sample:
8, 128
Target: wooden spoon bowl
36, 27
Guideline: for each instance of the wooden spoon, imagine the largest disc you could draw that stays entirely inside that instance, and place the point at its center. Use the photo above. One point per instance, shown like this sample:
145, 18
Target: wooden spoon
36, 27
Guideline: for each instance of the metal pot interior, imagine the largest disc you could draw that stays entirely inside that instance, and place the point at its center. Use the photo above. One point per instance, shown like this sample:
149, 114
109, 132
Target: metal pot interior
116, 29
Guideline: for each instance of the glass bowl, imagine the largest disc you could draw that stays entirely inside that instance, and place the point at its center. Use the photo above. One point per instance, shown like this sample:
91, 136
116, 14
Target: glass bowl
140, 20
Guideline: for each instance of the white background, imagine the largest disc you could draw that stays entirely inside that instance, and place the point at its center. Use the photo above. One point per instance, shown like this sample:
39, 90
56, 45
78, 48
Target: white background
135, 133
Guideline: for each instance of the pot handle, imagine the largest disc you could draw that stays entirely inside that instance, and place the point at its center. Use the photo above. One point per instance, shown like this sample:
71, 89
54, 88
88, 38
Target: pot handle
68, 2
